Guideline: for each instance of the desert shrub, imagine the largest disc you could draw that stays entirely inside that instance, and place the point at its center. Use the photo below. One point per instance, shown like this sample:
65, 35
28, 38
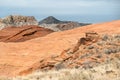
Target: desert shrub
107, 51
85, 55
100, 43
117, 36
105, 37
90, 47
99, 56
59, 66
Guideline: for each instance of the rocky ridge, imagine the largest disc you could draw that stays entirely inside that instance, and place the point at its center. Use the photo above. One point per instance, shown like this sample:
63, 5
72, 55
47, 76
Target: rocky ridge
49, 22
17, 20
58, 25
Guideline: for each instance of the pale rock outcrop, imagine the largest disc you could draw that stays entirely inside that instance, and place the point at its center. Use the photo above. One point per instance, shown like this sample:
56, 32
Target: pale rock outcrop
17, 20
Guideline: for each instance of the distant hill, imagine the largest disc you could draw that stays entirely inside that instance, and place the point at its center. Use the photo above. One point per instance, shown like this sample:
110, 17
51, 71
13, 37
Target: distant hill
58, 25
50, 20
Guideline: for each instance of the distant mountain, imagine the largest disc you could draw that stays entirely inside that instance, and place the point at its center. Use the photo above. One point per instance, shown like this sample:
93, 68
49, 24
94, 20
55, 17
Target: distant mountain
58, 25
50, 20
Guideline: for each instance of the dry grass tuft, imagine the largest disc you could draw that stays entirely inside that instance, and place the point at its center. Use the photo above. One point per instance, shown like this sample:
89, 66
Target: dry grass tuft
106, 71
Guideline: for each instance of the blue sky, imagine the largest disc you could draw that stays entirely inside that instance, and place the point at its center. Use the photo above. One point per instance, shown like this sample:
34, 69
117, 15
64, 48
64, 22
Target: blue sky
91, 11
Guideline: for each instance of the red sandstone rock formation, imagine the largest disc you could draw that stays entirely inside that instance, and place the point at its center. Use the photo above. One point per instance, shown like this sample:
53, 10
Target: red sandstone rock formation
19, 34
